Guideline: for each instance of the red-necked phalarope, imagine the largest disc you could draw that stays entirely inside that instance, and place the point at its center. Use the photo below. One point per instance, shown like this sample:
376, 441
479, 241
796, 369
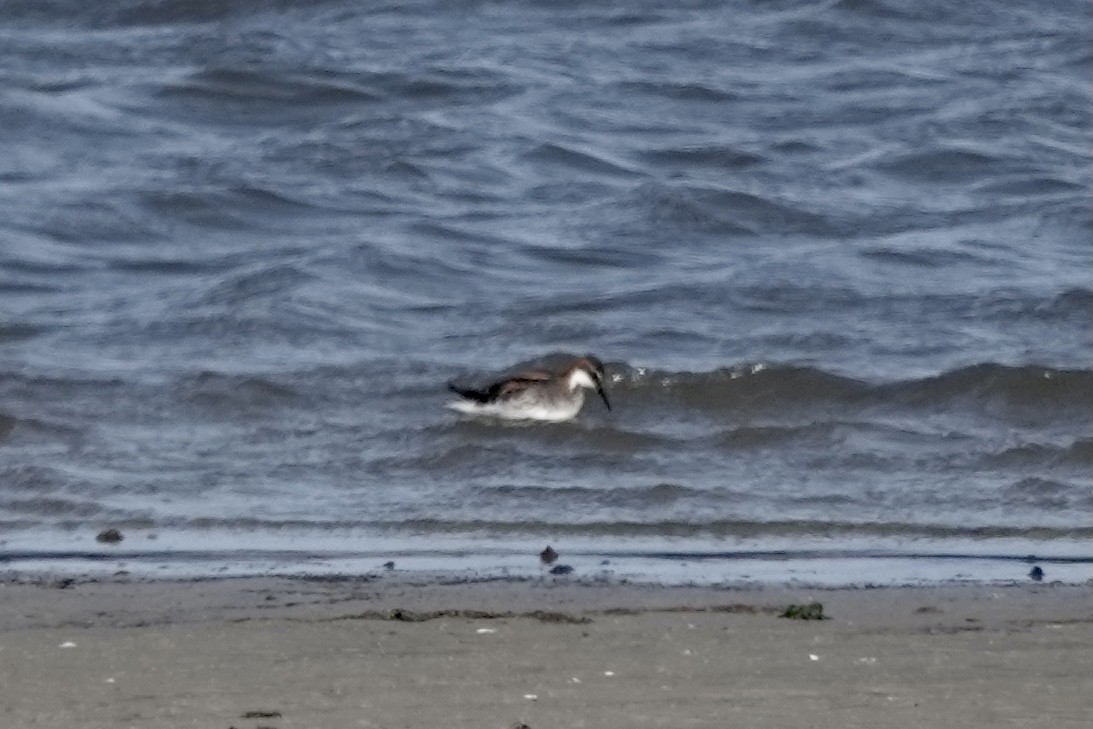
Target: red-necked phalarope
535, 395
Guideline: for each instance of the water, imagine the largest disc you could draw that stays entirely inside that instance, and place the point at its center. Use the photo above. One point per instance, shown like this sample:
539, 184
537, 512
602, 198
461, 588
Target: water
836, 256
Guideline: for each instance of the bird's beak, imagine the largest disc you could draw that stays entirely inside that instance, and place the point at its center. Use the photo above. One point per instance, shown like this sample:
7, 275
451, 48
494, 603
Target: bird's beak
603, 394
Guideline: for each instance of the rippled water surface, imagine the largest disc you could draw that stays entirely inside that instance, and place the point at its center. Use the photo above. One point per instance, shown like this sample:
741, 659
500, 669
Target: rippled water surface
836, 256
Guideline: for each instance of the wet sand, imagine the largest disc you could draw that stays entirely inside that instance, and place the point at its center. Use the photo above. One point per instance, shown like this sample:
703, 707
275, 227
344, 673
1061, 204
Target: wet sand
394, 651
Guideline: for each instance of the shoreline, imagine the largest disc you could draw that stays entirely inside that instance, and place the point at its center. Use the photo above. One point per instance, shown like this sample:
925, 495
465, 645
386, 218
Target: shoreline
817, 561
408, 651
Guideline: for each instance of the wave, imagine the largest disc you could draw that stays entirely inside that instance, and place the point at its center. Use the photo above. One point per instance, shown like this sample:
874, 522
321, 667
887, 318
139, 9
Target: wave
740, 529
255, 284
7, 425
879, 9
53, 507
1078, 453
290, 93
141, 12
231, 205
636, 497
1030, 185
561, 435
682, 90
769, 385
1029, 385
1046, 494
1071, 301
34, 430
228, 394
17, 332
708, 209
218, 84
923, 257
717, 156
991, 387
60, 385
28, 479
766, 436
574, 160
553, 530
944, 165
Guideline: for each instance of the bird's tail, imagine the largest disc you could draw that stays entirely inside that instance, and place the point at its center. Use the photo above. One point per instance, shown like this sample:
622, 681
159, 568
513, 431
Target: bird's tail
469, 393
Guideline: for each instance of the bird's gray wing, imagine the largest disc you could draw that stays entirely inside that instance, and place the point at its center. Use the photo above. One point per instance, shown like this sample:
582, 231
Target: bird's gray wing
519, 383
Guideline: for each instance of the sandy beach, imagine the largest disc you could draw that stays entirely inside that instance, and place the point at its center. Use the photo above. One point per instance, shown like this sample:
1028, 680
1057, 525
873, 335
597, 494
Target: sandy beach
397, 651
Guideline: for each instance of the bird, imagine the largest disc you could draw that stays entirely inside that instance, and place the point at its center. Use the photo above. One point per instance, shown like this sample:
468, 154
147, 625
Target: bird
535, 395
548, 555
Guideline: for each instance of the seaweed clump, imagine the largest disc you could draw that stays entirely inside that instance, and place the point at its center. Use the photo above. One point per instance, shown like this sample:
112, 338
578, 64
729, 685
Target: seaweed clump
811, 611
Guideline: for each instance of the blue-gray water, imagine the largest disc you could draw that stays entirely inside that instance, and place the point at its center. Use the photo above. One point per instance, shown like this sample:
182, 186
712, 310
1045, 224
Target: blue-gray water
837, 257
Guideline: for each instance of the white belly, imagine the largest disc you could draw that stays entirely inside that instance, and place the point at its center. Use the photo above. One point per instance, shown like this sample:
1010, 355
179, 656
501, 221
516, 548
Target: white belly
553, 412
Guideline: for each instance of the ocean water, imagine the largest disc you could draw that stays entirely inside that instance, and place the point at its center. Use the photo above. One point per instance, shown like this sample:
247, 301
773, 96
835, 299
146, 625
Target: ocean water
836, 255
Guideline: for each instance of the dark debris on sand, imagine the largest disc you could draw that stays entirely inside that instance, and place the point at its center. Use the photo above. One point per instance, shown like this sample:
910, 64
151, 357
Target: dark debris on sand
811, 611
411, 616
